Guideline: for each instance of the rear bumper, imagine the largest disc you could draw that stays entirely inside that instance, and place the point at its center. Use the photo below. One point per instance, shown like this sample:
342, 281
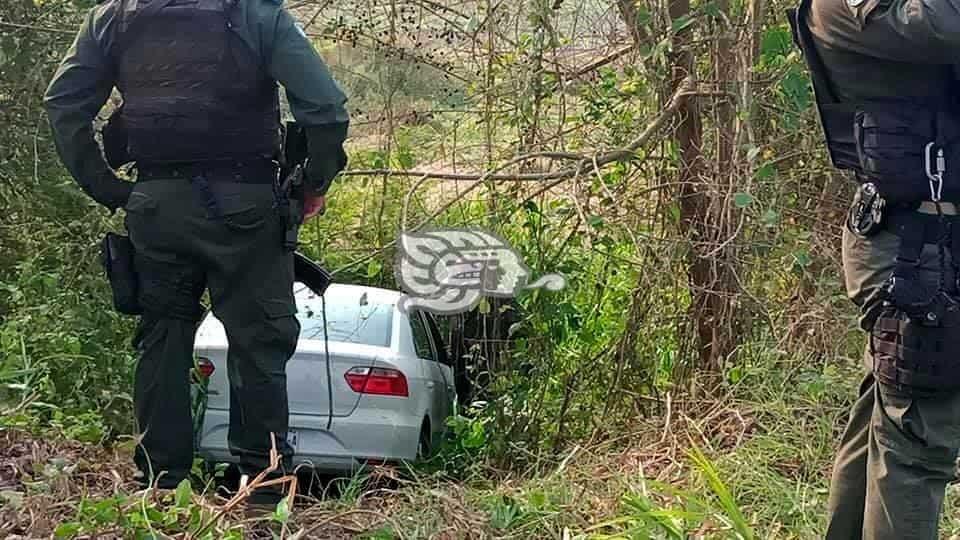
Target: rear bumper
367, 435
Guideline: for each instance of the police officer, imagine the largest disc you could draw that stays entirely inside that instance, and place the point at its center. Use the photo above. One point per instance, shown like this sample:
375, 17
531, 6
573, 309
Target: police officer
202, 120
887, 97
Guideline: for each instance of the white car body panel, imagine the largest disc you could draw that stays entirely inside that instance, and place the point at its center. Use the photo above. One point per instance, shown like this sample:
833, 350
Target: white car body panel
363, 427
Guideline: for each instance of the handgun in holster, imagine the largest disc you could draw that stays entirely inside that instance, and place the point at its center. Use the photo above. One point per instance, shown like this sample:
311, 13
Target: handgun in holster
291, 190
117, 255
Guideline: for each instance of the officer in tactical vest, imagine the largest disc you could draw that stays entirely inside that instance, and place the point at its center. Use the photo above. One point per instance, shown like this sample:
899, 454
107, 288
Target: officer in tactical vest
887, 95
201, 120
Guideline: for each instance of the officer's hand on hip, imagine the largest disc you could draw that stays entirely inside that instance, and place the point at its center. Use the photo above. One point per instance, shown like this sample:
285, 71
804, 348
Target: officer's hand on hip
313, 206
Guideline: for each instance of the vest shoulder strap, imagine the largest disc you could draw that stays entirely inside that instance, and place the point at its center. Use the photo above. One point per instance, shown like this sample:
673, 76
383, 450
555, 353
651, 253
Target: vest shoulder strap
804, 40
836, 116
141, 15
129, 21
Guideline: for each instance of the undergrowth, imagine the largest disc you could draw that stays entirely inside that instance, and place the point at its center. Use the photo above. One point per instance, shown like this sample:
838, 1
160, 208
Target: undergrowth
750, 464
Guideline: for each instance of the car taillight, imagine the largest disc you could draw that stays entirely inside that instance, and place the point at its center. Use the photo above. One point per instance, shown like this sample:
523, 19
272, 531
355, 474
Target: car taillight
205, 367
377, 381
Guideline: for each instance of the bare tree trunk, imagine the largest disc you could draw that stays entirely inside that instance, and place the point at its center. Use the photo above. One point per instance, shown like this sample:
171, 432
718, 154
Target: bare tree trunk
694, 198
725, 66
720, 225
534, 93
706, 218
750, 54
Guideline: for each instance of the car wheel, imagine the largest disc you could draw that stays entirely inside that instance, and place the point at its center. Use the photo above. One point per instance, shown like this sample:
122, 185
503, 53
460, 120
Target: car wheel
425, 444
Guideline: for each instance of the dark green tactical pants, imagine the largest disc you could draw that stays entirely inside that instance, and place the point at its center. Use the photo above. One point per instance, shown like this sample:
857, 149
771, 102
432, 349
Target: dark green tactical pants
181, 251
897, 454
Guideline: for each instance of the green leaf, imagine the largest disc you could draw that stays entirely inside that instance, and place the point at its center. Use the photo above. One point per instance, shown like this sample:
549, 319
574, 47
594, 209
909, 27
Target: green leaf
476, 437
776, 41
67, 530
472, 24
484, 306
643, 14
742, 200
771, 218
153, 515
803, 259
712, 10
12, 498
735, 375
674, 210
766, 171
406, 159
680, 23
797, 87
282, 513
183, 494
374, 268
728, 504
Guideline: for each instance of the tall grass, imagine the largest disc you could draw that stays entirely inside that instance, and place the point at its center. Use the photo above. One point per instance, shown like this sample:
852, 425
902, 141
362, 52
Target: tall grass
677, 514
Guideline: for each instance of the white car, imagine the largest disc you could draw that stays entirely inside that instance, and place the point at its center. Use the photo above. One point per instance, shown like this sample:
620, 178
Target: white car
384, 397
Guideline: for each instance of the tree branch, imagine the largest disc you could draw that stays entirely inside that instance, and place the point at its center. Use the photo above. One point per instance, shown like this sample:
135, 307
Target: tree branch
684, 91
37, 28
596, 64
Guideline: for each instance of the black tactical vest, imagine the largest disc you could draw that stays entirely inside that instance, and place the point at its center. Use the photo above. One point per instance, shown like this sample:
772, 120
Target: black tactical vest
897, 143
193, 91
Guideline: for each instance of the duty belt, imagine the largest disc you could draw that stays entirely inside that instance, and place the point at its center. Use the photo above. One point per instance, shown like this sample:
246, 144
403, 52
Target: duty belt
202, 174
261, 171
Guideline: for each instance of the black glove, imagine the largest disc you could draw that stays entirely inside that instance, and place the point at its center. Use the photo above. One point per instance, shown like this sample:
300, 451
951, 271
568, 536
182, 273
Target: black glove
109, 190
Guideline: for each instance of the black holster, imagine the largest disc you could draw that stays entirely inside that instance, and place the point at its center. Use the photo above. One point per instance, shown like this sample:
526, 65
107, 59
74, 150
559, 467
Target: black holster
117, 255
290, 206
291, 191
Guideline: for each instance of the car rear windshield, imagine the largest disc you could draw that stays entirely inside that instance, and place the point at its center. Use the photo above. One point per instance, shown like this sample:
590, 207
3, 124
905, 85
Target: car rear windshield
351, 317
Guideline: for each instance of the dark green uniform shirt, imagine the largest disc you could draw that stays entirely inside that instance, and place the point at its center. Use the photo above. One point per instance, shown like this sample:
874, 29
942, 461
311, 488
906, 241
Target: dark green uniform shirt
884, 48
84, 81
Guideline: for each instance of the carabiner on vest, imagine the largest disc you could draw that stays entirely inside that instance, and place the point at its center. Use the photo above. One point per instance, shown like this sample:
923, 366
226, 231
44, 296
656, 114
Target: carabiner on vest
936, 178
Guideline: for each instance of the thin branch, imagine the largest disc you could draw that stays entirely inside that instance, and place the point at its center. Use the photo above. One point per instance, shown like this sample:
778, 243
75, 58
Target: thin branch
597, 64
626, 153
684, 91
38, 28
331, 519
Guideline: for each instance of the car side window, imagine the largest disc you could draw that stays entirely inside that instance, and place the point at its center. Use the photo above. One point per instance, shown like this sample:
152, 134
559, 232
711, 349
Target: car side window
421, 338
442, 355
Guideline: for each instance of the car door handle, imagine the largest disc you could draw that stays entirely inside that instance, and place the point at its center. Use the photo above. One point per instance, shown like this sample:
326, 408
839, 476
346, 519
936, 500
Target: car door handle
431, 385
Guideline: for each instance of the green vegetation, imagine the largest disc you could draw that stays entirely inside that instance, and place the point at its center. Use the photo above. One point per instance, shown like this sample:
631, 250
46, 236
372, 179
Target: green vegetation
690, 382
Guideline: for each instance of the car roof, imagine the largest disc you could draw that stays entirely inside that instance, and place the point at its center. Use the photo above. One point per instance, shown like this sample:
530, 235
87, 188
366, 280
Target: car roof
374, 294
